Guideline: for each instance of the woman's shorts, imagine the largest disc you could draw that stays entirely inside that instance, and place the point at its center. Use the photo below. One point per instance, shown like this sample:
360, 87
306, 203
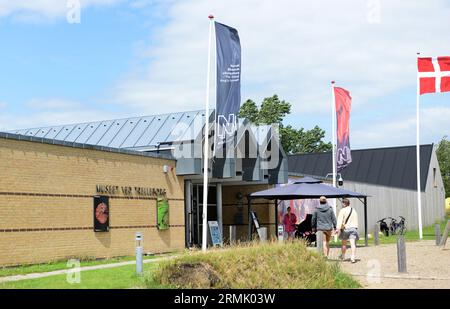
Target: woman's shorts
350, 233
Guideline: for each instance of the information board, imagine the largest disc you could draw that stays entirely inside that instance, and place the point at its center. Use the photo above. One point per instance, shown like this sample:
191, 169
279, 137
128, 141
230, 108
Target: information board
216, 235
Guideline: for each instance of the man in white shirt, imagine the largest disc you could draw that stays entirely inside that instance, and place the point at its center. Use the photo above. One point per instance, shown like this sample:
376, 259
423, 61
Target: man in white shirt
347, 224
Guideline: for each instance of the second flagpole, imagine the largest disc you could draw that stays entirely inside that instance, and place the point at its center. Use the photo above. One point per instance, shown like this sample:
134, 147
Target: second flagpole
333, 144
206, 143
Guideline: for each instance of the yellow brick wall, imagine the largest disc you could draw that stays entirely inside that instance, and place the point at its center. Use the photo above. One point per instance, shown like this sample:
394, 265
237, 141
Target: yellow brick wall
265, 210
35, 180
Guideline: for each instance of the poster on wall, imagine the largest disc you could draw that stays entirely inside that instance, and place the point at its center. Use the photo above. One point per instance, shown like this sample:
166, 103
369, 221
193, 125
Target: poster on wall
162, 213
101, 214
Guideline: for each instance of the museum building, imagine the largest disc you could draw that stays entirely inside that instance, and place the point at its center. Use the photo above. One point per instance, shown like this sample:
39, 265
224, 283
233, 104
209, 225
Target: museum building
84, 190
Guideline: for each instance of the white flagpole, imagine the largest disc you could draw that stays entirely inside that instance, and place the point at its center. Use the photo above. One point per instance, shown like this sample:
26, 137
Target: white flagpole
333, 144
206, 144
419, 195
333, 130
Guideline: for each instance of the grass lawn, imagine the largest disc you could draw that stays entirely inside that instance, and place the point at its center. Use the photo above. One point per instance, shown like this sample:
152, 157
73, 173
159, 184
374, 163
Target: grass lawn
122, 277
51, 266
428, 234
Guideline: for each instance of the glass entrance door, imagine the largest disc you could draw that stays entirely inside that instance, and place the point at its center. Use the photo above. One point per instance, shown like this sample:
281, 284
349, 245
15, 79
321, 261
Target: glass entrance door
196, 222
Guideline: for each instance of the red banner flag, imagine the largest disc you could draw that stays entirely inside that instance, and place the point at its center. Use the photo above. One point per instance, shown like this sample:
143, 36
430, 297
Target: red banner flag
343, 102
434, 74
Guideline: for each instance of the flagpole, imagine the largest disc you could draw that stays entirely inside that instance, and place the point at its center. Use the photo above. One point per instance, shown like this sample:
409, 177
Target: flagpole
419, 195
333, 137
206, 143
333, 131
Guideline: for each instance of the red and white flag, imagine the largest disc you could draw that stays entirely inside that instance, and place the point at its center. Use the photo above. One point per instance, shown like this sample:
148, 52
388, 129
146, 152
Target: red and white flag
434, 74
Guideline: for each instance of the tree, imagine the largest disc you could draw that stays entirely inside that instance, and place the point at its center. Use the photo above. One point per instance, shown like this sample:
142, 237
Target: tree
443, 155
273, 111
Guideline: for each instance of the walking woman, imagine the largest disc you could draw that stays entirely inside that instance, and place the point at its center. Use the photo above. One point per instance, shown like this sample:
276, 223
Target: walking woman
324, 220
348, 229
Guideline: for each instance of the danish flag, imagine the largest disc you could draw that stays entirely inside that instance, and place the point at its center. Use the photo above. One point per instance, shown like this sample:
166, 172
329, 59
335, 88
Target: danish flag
434, 74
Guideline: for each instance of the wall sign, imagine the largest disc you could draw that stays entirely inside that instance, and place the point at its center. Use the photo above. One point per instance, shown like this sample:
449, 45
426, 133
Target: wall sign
101, 214
130, 191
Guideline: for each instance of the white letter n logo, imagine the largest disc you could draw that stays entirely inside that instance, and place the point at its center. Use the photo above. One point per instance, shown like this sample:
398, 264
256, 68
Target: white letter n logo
226, 126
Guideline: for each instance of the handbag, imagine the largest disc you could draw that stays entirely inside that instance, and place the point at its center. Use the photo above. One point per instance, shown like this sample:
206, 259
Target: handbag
346, 220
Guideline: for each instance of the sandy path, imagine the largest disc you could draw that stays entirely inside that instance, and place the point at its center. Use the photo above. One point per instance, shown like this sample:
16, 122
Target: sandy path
428, 266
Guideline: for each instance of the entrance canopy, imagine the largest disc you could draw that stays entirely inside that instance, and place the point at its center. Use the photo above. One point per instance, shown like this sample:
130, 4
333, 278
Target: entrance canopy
305, 188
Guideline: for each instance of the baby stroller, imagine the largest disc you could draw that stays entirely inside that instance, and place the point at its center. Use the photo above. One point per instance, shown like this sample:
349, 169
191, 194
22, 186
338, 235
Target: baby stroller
304, 230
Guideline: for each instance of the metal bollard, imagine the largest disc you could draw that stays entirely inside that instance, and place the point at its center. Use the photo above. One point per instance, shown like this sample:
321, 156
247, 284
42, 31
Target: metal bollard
401, 254
376, 235
437, 233
280, 233
319, 241
139, 253
232, 234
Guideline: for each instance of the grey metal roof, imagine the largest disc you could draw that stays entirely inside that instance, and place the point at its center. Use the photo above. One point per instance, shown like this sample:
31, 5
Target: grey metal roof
153, 154
391, 167
137, 133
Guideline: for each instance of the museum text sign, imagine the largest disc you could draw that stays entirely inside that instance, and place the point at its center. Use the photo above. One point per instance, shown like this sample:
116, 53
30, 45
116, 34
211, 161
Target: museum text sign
130, 191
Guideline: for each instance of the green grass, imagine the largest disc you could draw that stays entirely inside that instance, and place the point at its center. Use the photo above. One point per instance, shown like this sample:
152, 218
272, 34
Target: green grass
428, 234
252, 266
122, 277
58, 265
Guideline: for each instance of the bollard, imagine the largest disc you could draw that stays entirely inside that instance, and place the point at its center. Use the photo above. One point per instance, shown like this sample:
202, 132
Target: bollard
437, 233
280, 233
376, 235
232, 234
139, 253
401, 254
262, 233
319, 241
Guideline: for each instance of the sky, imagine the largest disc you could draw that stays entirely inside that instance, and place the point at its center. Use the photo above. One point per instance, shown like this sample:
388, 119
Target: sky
144, 57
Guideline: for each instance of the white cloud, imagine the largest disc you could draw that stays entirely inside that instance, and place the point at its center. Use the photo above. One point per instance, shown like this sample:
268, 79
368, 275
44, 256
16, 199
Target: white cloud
434, 124
290, 48
41, 10
53, 111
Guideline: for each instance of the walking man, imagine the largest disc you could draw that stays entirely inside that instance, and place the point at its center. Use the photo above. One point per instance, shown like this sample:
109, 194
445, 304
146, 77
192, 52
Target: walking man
324, 220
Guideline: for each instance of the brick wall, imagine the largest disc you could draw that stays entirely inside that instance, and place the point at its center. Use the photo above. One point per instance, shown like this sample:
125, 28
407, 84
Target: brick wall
46, 203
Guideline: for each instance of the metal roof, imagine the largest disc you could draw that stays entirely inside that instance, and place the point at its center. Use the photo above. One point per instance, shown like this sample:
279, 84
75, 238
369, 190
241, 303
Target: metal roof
153, 154
137, 133
391, 167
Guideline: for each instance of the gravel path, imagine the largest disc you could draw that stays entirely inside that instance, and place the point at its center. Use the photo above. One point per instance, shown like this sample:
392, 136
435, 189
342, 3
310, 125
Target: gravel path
428, 266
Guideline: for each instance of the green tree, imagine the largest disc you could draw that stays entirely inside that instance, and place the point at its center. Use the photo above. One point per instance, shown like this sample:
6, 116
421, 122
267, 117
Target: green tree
443, 155
273, 111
